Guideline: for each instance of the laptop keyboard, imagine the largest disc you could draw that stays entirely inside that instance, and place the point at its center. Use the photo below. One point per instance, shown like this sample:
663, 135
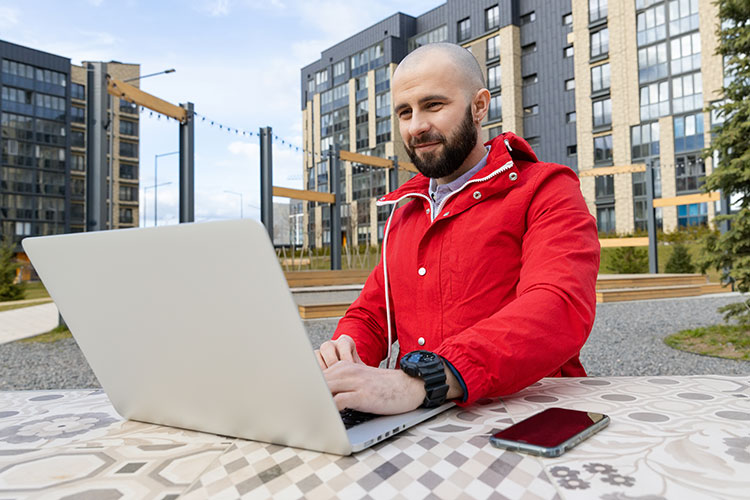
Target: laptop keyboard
354, 417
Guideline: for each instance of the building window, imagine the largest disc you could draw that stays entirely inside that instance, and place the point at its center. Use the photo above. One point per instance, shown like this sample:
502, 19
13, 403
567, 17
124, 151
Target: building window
652, 63
129, 149
600, 78
77, 187
493, 77
493, 47
434, 36
692, 215
321, 78
492, 17
654, 101
51, 77
528, 18
529, 48
685, 53
495, 131
339, 69
605, 218
605, 187
531, 110
644, 140
50, 102
363, 137
690, 173
567, 20
383, 131
128, 171
688, 133
383, 105
128, 107
572, 150
464, 29
128, 193
78, 91
77, 114
311, 85
602, 113
687, 93
570, 84
77, 139
18, 69
568, 51
597, 10
683, 16
496, 108
382, 79
128, 127
530, 80
126, 215
79, 163
600, 43
651, 25
570, 117
16, 95
603, 149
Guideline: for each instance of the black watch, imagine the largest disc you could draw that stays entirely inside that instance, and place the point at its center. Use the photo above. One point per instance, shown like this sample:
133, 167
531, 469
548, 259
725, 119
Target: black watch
429, 367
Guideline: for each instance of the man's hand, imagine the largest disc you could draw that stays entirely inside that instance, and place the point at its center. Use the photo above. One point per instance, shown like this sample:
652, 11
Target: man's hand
333, 351
374, 390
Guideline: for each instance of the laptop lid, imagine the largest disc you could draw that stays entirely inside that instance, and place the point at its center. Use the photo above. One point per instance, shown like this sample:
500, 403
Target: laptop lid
193, 326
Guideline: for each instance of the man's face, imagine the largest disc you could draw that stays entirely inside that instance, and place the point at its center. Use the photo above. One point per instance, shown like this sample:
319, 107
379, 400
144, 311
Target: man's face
435, 118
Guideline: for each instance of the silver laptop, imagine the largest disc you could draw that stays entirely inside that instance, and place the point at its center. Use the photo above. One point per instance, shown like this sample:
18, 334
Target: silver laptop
193, 326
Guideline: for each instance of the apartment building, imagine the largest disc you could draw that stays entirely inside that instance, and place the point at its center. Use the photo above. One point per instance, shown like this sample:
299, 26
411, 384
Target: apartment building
566, 75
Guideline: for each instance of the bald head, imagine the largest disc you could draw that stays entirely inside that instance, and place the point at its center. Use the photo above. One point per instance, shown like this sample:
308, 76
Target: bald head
466, 66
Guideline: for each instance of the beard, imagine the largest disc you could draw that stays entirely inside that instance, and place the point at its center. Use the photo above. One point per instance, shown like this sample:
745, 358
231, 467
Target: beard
438, 164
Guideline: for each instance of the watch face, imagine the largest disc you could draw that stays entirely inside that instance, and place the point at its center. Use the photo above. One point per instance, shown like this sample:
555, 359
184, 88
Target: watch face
418, 357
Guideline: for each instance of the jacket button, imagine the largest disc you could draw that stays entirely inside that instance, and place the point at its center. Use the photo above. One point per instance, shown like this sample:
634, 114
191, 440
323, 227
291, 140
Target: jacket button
422, 271
420, 341
477, 195
427, 211
513, 176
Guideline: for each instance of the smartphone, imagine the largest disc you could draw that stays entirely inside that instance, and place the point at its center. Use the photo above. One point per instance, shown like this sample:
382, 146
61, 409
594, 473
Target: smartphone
550, 433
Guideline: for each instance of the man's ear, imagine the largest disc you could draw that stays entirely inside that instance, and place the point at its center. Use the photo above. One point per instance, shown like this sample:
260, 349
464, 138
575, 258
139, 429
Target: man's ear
480, 105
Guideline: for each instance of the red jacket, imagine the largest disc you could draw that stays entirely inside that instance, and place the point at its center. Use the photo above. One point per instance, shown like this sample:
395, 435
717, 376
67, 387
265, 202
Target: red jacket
501, 283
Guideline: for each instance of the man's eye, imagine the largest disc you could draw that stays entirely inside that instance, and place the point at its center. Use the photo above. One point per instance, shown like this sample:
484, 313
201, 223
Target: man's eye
433, 105
404, 114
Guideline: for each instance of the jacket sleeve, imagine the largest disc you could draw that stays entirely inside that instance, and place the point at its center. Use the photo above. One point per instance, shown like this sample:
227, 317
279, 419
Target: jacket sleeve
365, 320
553, 312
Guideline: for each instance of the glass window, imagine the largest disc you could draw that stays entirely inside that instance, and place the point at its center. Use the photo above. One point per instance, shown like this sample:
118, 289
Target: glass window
21, 127
17, 95
382, 79
126, 215
78, 91
129, 149
492, 17
602, 112
77, 114
603, 149
77, 139
383, 105
642, 4
363, 137
652, 63
321, 77
128, 171
570, 117
529, 48
496, 108
339, 68
692, 215
570, 84
434, 36
568, 51
363, 111
597, 10
600, 43
78, 163
128, 107
683, 16
686, 53
128, 193
687, 93
600, 78
572, 150
49, 132
383, 131
311, 85
605, 187
654, 101
530, 79
528, 18
651, 25
688, 133
128, 127
644, 140
567, 20
531, 110
493, 47
464, 29
605, 219
493, 77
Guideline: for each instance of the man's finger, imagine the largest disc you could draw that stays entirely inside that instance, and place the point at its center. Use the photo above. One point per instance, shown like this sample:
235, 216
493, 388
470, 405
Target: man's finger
329, 354
346, 400
347, 349
321, 362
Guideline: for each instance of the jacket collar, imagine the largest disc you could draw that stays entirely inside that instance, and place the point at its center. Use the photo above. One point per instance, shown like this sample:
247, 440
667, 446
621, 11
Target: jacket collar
505, 148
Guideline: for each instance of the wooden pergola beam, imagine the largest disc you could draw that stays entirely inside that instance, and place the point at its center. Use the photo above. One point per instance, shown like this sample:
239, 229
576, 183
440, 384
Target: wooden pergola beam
687, 199
135, 95
299, 194
620, 169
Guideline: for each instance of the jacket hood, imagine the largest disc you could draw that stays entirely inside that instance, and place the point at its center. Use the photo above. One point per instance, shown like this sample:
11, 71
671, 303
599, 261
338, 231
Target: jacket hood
503, 148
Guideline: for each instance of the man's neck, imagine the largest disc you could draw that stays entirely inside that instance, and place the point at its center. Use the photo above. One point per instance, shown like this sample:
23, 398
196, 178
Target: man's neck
474, 157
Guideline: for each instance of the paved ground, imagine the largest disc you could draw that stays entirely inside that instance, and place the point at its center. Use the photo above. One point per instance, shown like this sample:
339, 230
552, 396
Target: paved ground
27, 322
626, 340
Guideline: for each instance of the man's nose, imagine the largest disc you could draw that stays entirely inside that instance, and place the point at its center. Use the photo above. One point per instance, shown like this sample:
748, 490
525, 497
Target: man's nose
418, 124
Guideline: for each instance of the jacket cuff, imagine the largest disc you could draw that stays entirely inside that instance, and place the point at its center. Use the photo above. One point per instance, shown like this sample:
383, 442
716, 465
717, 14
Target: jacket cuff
459, 378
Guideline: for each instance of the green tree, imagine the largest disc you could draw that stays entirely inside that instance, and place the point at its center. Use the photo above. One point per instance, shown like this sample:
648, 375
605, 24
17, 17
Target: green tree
629, 260
730, 250
680, 260
8, 289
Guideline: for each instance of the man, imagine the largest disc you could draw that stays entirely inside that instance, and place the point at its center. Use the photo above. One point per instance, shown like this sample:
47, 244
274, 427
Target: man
489, 266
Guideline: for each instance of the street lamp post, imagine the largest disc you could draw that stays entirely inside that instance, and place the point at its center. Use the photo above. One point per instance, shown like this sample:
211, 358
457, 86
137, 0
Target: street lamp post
241, 203
145, 189
156, 179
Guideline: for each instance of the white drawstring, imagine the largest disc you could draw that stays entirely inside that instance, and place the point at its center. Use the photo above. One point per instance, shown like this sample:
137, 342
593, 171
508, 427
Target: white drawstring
385, 284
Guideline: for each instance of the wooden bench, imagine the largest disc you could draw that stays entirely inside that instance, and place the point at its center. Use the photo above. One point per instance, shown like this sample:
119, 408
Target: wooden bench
300, 279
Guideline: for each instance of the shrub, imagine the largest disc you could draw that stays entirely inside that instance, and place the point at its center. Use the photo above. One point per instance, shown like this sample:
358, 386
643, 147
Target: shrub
9, 290
680, 260
629, 260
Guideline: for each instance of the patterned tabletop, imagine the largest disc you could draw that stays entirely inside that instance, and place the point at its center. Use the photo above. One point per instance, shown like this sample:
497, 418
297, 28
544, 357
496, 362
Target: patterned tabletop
670, 437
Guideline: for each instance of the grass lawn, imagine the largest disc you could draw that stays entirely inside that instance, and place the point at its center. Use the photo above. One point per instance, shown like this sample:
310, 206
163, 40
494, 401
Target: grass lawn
58, 333
722, 341
33, 290
664, 251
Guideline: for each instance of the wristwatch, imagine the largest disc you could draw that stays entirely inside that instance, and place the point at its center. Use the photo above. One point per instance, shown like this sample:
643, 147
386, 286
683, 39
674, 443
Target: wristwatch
429, 367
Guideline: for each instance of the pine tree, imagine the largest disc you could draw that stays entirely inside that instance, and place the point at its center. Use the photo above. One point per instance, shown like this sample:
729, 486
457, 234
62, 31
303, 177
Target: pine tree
680, 260
730, 251
629, 260
8, 289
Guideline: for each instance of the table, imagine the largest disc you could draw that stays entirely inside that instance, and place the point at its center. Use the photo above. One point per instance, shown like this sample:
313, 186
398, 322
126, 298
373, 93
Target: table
670, 437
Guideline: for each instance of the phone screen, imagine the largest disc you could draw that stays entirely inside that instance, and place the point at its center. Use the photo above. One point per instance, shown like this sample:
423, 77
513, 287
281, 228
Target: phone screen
551, 431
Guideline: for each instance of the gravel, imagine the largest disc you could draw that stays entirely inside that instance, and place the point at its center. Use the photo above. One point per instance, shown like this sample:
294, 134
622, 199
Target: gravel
626, 340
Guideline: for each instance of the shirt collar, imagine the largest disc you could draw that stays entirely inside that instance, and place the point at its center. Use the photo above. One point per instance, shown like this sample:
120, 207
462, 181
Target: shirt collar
436, 189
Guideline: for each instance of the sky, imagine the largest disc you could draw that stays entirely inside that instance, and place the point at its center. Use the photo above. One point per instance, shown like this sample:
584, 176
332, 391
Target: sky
238, 61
